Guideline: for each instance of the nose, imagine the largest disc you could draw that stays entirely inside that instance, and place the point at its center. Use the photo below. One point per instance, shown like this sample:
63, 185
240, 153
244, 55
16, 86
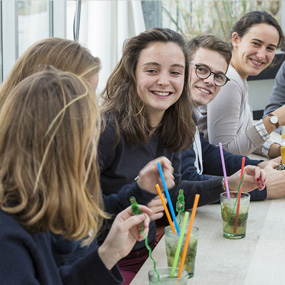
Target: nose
163, 80
261, 54
210, 80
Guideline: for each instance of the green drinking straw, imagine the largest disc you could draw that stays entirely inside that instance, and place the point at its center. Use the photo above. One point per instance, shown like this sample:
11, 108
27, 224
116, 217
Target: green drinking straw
239, 189
179, 244
137, 211
180, 205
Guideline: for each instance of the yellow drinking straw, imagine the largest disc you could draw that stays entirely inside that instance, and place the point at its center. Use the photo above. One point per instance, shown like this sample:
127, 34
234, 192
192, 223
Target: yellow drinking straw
186, 215
165, 208
197, 196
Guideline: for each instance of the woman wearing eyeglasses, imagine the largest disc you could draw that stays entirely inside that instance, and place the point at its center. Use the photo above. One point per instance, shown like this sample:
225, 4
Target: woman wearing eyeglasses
255, 38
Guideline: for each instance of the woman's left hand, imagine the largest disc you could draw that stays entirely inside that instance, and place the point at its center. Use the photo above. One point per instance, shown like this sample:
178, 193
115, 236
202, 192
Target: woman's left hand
125, 231
254, 177
157, 208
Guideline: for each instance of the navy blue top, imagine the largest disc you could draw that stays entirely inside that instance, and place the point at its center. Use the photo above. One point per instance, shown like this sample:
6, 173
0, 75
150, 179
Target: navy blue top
212, 165
28, 259
120, 165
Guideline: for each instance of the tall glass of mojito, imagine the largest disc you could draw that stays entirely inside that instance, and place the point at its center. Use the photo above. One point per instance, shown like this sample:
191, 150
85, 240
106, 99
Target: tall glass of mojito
234, 227
171, 241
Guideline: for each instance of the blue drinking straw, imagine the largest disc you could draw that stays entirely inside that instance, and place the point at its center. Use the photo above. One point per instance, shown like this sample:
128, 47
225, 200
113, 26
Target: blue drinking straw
168, 198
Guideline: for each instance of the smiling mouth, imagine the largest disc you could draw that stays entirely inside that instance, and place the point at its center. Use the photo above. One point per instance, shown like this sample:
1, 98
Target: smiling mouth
257, 63
204, 90
160, 93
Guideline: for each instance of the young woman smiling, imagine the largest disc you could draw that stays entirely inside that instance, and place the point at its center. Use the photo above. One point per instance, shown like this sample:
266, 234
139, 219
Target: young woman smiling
255, 39
147, 116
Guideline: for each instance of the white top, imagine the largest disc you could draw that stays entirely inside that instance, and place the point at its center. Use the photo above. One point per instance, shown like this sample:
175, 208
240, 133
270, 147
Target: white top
230, 120
197, 144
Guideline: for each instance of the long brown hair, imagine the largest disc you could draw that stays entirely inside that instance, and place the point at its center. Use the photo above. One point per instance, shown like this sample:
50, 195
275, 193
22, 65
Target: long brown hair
61, 53
49, 180
123, 105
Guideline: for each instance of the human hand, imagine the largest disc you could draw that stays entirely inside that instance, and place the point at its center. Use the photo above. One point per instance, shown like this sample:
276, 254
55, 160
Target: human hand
149, 176
254, 177
275, 181
125, 231
263, 164
157, 207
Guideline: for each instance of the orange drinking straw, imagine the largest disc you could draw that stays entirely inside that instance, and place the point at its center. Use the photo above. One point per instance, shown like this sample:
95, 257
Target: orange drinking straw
165, 208
239, 194
197, 196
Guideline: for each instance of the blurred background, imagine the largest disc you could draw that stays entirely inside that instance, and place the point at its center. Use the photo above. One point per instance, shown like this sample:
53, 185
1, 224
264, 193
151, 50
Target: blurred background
103, 25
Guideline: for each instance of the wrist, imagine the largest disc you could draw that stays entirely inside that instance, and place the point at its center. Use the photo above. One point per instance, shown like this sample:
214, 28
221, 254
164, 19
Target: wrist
107, 257
223, 185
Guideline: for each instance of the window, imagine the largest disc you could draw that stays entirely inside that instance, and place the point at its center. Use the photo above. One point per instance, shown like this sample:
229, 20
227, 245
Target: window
25, 22
196, 17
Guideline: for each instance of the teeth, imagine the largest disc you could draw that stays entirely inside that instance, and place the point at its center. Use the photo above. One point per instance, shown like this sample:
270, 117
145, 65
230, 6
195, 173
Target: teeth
204, 90
161, 93
257, 62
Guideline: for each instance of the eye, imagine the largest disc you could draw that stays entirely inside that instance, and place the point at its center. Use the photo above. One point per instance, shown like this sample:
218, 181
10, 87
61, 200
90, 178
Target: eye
256, 44
151, 71
272, 49
220, 77
176, 73
202, 69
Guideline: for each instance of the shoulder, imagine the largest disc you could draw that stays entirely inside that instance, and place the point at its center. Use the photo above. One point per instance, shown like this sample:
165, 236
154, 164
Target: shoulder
11, 230
234, 77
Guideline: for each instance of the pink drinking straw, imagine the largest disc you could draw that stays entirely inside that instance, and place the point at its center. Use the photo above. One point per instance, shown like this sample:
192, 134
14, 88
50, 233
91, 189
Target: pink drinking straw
197, 196
239, 194
224, 170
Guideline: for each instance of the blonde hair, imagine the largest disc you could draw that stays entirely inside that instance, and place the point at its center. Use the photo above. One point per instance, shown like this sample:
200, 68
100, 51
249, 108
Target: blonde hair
50, 126
63, 54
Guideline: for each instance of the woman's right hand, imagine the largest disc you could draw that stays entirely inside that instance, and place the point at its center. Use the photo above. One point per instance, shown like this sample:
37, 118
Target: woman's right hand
149, 176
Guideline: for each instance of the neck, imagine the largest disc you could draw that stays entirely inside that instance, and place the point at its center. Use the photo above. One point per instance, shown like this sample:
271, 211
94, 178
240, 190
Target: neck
236, 65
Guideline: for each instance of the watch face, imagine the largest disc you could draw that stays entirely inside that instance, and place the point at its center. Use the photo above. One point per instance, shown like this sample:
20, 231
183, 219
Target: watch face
273, 119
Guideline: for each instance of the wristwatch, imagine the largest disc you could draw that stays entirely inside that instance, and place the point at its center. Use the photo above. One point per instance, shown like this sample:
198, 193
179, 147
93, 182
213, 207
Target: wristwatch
273, 120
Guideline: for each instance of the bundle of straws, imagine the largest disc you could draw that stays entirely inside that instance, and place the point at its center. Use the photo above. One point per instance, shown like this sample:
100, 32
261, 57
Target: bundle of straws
185, 220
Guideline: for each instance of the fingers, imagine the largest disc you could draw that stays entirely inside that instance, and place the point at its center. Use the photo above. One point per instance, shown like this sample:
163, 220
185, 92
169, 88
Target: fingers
257, 173
127, 213
149, 176
157, 208
165, 163
167, 170
273, 163
134, 221
157, 201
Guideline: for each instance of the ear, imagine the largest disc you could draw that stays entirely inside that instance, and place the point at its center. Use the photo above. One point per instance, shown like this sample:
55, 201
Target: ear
235, 39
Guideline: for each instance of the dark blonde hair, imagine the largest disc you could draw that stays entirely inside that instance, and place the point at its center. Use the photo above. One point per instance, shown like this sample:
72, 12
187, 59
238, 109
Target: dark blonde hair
122, 103
49, 130
61, 53
210, 42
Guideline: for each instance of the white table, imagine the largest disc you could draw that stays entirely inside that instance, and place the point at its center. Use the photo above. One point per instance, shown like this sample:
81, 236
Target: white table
259, 258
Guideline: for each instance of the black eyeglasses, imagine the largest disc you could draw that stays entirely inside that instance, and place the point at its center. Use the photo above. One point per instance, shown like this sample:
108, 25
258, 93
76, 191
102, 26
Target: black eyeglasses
204, 72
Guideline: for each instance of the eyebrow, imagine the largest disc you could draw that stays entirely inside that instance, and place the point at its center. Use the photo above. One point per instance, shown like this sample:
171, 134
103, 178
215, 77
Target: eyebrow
263, 42
156, 64
218, 72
